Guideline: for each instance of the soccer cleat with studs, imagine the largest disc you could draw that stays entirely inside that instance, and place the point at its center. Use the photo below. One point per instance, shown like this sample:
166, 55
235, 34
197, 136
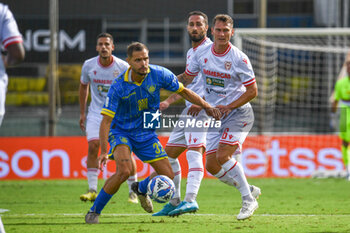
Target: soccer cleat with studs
91, 217
133, 198
184, 207
145, 201
89, 196
165, 211
247, 210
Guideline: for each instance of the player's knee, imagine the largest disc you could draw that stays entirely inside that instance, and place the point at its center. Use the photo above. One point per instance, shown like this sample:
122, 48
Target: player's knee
94, 146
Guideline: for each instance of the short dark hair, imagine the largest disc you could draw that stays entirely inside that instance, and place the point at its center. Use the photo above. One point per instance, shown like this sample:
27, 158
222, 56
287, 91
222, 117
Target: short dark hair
105, 34
224, 18
135, 46
200, 14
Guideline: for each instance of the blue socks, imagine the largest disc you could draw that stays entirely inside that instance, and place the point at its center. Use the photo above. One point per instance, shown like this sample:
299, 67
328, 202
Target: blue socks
100, 202
143, 185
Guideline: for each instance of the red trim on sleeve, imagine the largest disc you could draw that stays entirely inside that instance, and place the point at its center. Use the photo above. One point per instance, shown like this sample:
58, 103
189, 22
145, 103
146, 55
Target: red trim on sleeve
190, 73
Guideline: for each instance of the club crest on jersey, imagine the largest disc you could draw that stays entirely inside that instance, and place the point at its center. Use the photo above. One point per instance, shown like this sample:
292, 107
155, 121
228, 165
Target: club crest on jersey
95, 72
151, 89
123, 139
205, 60
116, 73
228, 65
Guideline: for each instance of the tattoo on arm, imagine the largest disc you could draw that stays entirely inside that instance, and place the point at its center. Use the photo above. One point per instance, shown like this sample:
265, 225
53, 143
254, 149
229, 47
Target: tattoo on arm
183, 78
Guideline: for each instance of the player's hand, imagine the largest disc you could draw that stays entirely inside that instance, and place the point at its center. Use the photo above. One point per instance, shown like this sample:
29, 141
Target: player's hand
163, 105
224, 109
82, 122
213, 112
102, 161
194, 110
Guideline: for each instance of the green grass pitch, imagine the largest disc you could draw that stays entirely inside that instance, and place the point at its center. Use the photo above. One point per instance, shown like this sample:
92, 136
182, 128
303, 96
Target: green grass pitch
286, 205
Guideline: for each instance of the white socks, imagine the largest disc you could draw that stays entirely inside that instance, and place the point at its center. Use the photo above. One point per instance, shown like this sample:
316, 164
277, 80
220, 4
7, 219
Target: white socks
232, 174
195, 174
175, 165
92, 176
131, 180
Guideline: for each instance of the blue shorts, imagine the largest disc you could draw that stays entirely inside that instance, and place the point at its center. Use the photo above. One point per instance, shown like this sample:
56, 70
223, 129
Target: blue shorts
148, 151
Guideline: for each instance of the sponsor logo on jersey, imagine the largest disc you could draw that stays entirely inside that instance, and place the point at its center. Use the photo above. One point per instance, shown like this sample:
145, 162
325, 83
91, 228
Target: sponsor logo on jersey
221, 93
103, 81
102, 88
228, 65
216, 74
215, 82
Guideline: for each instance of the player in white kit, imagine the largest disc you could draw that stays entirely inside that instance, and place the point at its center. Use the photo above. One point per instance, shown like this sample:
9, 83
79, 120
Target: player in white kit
98, 73
191, 138
13, 50
229, 85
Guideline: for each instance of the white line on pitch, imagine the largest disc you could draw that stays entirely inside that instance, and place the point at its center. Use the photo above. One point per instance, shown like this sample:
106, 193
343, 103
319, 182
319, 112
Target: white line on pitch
262, 215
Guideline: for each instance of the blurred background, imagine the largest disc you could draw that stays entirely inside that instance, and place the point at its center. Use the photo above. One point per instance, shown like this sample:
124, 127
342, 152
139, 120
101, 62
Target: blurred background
297, 48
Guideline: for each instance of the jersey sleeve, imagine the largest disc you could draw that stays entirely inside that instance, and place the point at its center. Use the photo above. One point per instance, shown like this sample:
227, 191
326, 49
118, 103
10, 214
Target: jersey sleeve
245, 71
170, 82
84, 77
111, 103
9, 30
192, 65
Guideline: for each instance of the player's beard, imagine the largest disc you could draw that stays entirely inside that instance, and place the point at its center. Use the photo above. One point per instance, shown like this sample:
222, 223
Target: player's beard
197, 37
139, 72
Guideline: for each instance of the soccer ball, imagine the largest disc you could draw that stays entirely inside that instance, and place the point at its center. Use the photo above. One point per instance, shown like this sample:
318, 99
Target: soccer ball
161, 189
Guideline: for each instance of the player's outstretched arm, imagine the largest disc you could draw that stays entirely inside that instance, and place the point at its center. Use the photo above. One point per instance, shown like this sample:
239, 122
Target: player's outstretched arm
104, 131
191, 96
185, 80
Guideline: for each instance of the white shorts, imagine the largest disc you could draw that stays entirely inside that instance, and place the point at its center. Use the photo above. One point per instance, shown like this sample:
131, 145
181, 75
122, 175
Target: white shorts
234, 130
189, 137
3, 88
93, 122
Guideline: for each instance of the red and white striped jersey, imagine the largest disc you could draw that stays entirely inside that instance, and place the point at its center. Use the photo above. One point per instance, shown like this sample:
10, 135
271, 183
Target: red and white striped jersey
100, 79
225, 75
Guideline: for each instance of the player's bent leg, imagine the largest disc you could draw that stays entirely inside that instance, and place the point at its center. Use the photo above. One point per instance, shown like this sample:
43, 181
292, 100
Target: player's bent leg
122, 157
212, 165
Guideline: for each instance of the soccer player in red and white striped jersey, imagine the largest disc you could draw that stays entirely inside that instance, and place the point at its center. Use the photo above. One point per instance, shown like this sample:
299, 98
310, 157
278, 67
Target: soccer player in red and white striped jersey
229, 85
